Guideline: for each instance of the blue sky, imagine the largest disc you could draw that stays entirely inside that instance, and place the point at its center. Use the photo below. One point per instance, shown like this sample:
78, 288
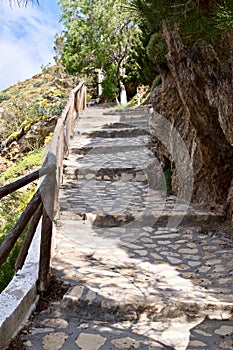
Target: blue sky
26, 39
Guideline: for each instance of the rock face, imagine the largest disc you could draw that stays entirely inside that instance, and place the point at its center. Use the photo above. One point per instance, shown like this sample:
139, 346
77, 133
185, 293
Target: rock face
196, 98
25, 141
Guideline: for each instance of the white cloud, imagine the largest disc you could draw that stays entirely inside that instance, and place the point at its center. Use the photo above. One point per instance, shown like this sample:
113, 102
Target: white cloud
26, 41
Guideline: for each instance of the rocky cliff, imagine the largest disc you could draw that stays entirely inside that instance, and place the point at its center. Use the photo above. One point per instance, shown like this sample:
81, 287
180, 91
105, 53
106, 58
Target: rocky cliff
196, 98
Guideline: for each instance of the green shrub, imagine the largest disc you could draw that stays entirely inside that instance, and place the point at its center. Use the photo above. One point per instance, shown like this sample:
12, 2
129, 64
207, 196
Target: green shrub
11, 208
110, 85
165, 181
4, 97
38, 84
156, 82
55, 109
30, 160
7, 270
168, 180
157, 49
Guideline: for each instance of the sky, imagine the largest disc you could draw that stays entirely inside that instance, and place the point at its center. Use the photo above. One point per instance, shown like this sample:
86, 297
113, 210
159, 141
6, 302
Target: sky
26, 39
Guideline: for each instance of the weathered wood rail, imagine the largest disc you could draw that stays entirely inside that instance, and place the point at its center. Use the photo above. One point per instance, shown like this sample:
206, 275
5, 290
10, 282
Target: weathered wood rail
44, 204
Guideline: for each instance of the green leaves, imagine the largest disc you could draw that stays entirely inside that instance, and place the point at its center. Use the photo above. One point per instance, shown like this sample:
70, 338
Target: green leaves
98, 35
224, 16
110, 84
127, 34
198, 21
157, 48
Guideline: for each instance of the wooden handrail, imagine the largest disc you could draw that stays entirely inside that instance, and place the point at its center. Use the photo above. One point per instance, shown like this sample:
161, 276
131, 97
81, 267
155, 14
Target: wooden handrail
18, 228
59, 143
45, 201
13, 186
30, 234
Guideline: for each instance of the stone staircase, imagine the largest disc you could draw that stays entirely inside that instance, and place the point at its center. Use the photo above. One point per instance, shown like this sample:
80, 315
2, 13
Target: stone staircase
136, 282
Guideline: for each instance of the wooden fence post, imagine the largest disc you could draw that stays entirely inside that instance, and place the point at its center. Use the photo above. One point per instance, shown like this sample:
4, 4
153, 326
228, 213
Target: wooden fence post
77, 101
69, 122
30, 234
49, 186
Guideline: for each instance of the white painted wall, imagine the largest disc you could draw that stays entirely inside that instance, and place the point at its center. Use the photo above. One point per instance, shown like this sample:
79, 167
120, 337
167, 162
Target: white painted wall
19, 298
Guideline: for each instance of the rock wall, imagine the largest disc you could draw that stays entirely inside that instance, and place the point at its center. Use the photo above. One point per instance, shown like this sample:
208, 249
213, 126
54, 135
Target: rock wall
196, 97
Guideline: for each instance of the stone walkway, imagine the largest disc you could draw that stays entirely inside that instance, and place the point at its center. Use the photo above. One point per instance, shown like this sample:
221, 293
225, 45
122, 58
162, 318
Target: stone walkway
145, 270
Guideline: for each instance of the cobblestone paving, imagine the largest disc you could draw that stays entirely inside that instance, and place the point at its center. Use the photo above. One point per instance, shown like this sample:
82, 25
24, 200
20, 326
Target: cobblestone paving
136, 281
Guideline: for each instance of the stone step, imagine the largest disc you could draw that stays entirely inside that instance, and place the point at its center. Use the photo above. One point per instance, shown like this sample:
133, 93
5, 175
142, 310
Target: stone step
146, 323
105, 173
78, 149
115, 132
114, 115
104, 124
132, 307
82, 145
101, 220
139, 113
111, 162
135, 217
124, 197
123, 202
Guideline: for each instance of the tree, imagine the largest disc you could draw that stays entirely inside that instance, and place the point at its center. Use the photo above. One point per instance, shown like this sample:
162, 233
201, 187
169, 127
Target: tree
98, 35
197, 20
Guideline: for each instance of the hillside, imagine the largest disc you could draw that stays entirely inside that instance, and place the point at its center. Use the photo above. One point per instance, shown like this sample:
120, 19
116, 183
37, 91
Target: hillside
28, 113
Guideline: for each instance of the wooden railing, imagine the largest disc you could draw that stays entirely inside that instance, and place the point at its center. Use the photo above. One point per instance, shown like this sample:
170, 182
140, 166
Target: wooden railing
44, 204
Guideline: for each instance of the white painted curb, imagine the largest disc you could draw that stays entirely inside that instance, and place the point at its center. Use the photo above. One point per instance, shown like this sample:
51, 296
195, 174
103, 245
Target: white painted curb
19, 298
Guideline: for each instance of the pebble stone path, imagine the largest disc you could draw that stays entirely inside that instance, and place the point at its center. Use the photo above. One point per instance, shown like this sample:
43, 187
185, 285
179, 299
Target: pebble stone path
135, 281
